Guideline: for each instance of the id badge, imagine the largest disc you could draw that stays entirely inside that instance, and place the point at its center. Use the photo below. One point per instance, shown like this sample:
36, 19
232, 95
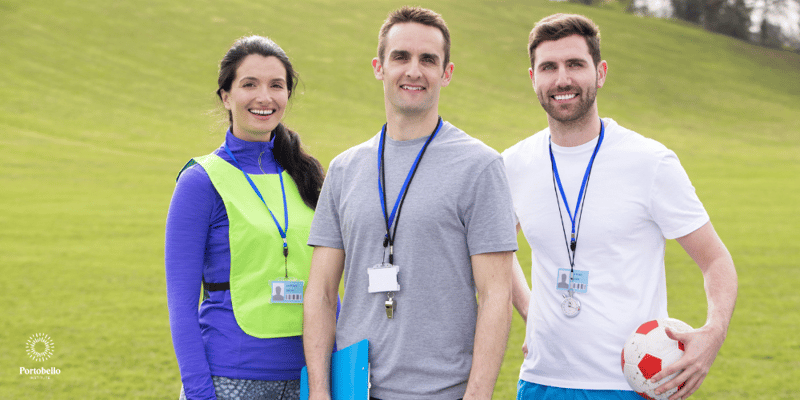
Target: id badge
383, 278
286, 292
579, 283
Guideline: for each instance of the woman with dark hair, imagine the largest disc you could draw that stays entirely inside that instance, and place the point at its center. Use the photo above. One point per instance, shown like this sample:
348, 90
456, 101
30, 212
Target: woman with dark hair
237, 226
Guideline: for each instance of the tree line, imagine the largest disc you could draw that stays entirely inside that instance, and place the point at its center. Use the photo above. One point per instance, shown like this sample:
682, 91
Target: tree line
733, 18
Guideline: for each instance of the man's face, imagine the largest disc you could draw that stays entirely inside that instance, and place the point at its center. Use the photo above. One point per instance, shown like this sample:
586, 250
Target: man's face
565, 78
412, 70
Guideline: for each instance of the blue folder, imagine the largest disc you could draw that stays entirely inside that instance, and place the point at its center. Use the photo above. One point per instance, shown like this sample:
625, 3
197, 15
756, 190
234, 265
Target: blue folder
349, 374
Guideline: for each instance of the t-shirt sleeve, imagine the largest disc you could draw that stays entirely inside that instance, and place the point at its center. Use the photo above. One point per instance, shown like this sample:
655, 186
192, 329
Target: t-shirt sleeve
489, 216
674, 205
188, 222
325, 228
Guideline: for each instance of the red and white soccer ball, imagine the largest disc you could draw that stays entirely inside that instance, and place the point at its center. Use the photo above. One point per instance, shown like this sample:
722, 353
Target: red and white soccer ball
647, 351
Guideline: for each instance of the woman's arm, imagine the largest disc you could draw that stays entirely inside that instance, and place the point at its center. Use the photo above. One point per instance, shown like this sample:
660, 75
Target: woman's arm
188, 223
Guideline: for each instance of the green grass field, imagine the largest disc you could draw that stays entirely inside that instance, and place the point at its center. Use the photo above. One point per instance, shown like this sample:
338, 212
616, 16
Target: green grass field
102, 102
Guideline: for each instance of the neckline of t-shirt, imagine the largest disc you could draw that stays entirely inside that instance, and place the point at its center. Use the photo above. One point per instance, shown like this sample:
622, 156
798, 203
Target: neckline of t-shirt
413, 142
582, 148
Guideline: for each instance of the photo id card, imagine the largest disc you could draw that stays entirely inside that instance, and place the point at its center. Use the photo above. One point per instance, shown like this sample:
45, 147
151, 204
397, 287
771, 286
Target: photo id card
287, 292
578, 284
383, 278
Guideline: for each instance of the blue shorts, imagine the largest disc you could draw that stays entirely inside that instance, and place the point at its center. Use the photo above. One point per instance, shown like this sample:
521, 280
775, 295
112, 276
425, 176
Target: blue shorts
529, 391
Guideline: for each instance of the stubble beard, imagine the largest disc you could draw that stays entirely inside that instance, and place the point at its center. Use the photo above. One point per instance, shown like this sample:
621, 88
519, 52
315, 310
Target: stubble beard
555, 112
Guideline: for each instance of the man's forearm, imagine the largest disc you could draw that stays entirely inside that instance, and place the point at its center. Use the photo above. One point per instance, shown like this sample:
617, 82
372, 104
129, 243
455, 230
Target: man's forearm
721, 286
719, 274
521, 293
491, 336
319, 330
493, 280
319, 318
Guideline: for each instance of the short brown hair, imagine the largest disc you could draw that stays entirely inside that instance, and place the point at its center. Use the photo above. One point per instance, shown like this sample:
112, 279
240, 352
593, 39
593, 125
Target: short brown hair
558, 26
419, 15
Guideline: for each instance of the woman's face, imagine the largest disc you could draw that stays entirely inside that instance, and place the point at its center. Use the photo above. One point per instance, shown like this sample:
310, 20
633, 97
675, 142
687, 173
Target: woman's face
258, 97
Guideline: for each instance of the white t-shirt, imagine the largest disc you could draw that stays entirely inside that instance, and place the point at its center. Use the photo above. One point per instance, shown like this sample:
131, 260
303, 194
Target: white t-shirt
637, 196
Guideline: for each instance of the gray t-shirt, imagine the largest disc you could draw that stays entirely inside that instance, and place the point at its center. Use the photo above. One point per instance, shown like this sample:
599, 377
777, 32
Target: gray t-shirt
458, 205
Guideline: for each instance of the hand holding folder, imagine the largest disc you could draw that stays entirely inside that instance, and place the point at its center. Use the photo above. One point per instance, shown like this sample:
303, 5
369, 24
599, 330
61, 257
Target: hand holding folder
349, 374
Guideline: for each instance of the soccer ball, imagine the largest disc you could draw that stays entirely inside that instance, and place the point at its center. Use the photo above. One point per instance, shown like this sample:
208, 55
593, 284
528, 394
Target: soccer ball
646, 351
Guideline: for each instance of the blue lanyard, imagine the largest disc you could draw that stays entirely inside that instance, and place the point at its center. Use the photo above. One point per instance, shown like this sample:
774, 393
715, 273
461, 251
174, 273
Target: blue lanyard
581, 193
282, 231
390, 219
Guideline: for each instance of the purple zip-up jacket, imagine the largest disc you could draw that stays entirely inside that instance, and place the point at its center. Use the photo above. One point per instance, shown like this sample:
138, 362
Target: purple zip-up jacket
208, 341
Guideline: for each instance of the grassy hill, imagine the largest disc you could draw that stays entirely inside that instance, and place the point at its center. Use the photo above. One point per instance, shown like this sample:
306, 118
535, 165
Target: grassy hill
102, 102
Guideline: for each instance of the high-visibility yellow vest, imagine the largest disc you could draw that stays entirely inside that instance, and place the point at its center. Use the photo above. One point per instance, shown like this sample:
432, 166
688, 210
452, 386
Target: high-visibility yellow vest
257, 247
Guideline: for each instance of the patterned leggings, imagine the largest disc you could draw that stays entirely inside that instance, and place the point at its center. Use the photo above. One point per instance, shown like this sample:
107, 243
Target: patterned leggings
243, 389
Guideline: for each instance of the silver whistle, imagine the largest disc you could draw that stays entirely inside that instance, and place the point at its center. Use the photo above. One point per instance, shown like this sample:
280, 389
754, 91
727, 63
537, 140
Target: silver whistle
390, 306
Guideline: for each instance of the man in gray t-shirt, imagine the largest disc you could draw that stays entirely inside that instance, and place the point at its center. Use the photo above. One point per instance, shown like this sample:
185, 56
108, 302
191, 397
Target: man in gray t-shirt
412, 291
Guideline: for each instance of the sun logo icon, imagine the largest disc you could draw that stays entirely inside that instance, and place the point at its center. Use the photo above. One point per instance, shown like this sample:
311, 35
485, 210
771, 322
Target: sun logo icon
40, 347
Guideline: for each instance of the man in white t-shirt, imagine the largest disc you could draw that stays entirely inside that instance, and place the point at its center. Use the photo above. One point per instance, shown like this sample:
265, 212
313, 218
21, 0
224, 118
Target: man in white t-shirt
596, 202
